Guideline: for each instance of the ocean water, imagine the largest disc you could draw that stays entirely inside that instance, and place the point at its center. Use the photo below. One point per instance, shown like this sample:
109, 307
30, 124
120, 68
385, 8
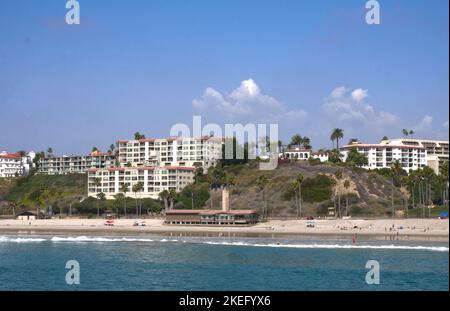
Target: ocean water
157, 262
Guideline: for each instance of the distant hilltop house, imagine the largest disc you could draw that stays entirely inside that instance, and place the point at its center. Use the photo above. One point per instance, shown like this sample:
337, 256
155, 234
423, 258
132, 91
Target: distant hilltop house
225, 216
412, 154
298, 153
15, 164
155, 164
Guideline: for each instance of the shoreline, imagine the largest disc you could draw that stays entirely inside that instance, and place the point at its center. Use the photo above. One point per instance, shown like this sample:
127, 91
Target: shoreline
401, 229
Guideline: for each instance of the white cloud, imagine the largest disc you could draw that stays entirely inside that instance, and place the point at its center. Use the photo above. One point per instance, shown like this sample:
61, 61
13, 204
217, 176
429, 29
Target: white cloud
386, 118
245, 102
348, 105
359, 94
424, 125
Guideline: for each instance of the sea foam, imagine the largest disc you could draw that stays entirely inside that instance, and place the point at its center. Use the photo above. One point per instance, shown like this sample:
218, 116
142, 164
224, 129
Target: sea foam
336, 246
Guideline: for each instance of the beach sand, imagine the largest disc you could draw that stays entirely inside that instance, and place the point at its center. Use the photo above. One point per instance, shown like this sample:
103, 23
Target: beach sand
405, 228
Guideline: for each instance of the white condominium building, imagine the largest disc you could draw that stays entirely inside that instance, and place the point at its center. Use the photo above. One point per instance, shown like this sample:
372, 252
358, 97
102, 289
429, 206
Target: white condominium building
204, 151
437, 150
154, 180
384, 154
11, 165
75, 164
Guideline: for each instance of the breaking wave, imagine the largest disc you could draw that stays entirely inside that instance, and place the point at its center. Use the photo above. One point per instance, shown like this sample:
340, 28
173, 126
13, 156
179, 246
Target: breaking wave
4, 239
337, 246
94, 239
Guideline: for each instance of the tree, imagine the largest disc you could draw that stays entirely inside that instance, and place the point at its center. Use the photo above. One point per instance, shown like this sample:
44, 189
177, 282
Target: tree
280, 146
335, 156
346, 186
294, 186
124, 189
138, 136
405, 132
296, 140
97, 183
172, 197
444, 180
306, 143
397, 173
356, 158
164, 196
262, 182
384, 138
411, 132
50, 152
95, 149
120, 197
299, 181
100, 197
338, 176
337, 134
137, 188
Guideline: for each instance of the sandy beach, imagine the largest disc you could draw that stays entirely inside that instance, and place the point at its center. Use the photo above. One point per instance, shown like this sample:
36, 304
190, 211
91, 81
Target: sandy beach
403, 228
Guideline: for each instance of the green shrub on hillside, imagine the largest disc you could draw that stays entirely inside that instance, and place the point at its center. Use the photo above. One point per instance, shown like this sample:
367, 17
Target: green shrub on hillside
316, 189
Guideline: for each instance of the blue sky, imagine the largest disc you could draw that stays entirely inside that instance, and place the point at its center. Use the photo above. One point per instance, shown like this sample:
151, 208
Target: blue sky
145, 65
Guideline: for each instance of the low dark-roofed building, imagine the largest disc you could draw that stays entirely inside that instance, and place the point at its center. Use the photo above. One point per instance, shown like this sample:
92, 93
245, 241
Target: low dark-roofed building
211, 217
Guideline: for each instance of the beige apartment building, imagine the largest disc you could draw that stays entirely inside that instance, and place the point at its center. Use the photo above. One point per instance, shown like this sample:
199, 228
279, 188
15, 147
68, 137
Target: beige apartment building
190, 151
154, 180
412, 154
437, 150
157, 163
75, 164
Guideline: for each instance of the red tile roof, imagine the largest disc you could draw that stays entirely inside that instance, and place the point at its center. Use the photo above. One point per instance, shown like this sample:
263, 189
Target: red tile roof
381, 146
10, 156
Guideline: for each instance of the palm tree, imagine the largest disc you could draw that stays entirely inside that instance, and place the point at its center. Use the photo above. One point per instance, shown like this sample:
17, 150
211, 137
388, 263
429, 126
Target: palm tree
299, 181
338, 176
97, 183
384, 138
346, 186
396, 172
50, 152
294, 187
138, 187
172, 197
119, 197
405, 132
124, 189
100, 197
411, 132
306, 142
280, 146
261, 182
164, 196
138, 136
296, 140
95, 149
337, 134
